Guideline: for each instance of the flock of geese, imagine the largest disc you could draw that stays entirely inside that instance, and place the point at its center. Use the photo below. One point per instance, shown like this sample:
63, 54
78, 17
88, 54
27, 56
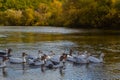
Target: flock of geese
50, 60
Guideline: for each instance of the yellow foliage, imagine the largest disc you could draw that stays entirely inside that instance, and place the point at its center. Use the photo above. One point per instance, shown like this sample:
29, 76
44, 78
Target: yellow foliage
113, 1
56, 6
12, 17
13, 13
43, 8
28, 16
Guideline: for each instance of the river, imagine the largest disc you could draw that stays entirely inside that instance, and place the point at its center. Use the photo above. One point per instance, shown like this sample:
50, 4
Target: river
31, 39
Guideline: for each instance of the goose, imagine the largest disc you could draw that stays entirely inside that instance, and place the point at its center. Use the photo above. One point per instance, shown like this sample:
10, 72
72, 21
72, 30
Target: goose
58, 65
83, 55
55, 59
45, 59
56, 62
40, 53
80, 58
37, 62
7, 52
96, 60
32, 59
70, 56
62, 60
18, 60
49, 55
3, 64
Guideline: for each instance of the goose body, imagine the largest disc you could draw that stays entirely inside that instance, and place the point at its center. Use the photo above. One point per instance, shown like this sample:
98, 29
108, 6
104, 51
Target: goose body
55, 59
82, 58
71, 58
83, 55
96, 60
38, 63
15, 60
32, 57
49, 64
18, 60
3, 65
58, 65
79, 58
35, 62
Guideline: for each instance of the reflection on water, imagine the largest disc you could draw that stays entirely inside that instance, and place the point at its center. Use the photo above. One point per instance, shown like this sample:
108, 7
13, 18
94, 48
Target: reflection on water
4, 72
31, 39
45, 30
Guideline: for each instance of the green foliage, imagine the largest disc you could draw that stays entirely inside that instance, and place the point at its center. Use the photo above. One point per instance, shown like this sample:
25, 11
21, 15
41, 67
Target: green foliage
79, 13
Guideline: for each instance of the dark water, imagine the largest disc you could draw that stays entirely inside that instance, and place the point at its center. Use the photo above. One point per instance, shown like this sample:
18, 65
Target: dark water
31, 39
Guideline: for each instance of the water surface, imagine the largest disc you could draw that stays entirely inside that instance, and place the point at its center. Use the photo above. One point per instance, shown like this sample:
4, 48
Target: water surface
31, 39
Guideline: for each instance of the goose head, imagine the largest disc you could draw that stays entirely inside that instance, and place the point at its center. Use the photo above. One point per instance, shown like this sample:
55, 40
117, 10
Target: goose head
88, 54
52, 53
44, 57
102, 56
85, 52
63, 57
8, 51
40, 52
24, 54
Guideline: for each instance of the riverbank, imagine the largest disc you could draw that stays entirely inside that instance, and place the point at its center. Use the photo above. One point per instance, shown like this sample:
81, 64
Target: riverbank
81, 13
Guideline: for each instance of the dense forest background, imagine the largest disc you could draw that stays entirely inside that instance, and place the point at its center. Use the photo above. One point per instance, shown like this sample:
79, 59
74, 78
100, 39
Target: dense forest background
69, 13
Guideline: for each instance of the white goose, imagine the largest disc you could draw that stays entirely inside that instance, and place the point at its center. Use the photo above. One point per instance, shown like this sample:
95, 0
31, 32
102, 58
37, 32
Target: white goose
80, 58
18, 60
55, 59
40, 53
96, 60
84, 55
37, 61
49, 55
70, 56
62, 60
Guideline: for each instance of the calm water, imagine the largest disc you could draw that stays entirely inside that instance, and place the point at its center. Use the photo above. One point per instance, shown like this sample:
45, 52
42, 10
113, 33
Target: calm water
31, 39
